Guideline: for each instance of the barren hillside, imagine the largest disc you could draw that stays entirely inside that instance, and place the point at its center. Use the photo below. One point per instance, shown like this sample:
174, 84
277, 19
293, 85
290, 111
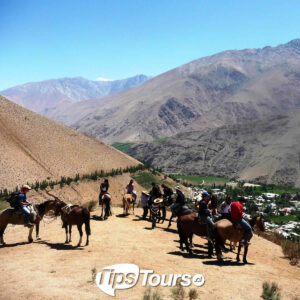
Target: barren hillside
33, 148
266, 150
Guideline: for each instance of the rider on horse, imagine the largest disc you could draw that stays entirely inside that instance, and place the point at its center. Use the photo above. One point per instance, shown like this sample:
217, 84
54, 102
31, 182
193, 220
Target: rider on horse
180, 198
168, 192
23, 203
130, 189
154, 193
224, 209
236, 211
205, 214
104, 186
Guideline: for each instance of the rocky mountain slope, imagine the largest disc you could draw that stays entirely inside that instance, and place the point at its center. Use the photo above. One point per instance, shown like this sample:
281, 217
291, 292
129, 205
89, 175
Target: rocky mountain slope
227, 88
47, 96
266, 150
33, 148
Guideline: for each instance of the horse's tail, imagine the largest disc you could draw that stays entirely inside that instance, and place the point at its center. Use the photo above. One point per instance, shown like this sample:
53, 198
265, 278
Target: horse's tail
86, 218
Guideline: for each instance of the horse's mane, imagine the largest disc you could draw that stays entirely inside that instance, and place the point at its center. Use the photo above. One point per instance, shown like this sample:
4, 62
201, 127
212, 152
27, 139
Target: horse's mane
42, 206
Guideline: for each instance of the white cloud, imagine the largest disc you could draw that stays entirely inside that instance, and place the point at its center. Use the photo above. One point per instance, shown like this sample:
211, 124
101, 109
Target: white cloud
103, 79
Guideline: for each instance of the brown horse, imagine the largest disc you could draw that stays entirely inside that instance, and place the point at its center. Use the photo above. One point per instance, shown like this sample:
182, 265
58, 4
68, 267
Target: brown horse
128, 200
105, 199
187, 226
16, 217
225, 230
74, 215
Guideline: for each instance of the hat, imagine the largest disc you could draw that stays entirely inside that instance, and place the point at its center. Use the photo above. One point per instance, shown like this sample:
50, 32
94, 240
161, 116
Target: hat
145, 193
26, 186
205, 194
158, 200
177, 188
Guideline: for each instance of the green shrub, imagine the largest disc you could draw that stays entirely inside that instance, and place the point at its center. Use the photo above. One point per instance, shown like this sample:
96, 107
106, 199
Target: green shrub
149, 295
270, 291
291, 250
91, 205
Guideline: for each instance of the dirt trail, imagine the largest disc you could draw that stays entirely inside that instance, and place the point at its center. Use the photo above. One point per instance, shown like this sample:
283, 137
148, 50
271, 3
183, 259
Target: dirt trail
49, 269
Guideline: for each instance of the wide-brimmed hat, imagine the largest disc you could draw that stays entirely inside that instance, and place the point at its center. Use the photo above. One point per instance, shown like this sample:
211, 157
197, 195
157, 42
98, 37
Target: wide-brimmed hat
145, 193
177, 188
26, 186
158, 200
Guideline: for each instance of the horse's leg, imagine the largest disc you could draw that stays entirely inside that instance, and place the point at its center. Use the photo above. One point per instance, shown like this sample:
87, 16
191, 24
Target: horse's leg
133, 207
66, 230
30, 239
210, 249
79, 226
1, 235
245, 254
37, 230
70, 232
191, 240
239, 251
172, 216
163, 214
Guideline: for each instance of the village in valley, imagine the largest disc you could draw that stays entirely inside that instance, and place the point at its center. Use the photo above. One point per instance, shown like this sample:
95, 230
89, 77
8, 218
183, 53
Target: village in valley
280, 205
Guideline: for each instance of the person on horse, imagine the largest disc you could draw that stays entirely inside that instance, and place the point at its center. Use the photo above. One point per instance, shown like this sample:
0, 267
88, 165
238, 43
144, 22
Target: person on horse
180, 198
205, 214
104, 186
236, 212
224, 209
23, 203
130, 189
154, 193
213, 205
168, 192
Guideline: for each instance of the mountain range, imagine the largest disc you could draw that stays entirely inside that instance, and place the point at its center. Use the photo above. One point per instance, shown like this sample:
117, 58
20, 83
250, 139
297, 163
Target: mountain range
231, 87
46, 96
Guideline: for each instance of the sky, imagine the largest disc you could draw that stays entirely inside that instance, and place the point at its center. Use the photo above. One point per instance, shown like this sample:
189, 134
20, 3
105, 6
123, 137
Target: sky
116, 39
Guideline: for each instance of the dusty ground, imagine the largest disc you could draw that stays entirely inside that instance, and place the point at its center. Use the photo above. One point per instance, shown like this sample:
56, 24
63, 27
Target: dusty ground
49, 269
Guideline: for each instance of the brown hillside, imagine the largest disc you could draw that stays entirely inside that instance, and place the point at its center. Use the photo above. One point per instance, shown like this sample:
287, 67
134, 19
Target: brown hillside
33, 148
227, 88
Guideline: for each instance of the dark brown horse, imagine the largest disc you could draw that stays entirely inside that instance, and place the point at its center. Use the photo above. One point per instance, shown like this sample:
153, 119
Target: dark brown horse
225, 230
16, 217
187, 226
74, 215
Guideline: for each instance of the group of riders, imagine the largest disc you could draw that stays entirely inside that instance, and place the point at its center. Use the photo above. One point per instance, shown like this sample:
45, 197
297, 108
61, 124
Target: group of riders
159, 197
156, 201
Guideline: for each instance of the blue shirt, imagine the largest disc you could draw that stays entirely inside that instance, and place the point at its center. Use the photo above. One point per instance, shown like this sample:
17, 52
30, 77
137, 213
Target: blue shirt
22, 198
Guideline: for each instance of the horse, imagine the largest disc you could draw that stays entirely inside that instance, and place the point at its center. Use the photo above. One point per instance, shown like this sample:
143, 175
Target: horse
16, 217
128, 200
105, 199
225, 230
74, 215
187, 225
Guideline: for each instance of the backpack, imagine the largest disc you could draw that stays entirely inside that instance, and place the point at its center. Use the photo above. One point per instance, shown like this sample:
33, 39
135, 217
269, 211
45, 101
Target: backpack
13, 200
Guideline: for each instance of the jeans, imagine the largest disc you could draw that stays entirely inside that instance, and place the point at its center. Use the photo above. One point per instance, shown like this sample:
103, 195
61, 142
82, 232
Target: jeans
247, 229
26, 212
210, 225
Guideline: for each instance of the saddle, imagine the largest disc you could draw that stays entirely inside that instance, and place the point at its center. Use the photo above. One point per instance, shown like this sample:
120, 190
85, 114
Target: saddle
33, 213
67, 209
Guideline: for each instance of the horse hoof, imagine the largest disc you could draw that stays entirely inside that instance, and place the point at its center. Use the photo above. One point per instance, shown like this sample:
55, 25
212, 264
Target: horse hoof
38, 239
238, 259
30, 240
245, 261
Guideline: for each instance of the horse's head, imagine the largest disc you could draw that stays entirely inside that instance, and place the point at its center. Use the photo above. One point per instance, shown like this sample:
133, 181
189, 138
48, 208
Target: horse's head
58, 205
260, 222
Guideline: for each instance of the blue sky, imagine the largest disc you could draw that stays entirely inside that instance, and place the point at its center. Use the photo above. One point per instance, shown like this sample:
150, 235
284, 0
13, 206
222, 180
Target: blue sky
116, 39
